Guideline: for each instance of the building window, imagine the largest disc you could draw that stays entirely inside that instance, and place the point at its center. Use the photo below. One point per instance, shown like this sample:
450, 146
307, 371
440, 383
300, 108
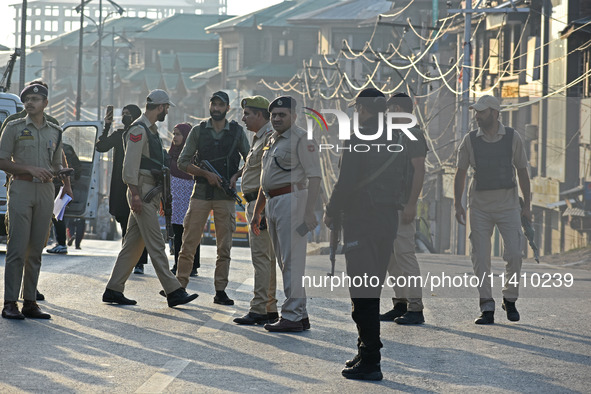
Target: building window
493, 63
285, 47
231, 60
281, 47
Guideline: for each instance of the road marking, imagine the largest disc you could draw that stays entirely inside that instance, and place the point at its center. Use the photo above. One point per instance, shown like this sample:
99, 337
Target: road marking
158, 382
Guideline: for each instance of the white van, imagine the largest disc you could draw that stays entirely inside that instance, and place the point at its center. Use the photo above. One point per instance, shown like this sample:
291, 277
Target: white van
81, 136
9, 104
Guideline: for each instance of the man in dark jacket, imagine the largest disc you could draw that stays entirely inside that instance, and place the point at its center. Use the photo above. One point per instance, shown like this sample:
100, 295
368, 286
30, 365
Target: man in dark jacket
118, 206
367, 195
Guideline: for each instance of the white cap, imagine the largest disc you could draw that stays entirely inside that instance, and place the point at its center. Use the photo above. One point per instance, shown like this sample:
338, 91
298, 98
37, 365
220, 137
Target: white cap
486, 101
159, 96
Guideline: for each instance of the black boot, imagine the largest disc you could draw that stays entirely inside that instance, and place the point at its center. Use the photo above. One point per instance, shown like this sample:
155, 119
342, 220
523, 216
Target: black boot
363, 370
398, 310
222, 298
509, 307
180, 297
117, 297
487, 317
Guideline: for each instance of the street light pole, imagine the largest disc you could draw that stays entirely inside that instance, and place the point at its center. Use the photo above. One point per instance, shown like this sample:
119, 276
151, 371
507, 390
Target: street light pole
100, 59
80, 56
21, 77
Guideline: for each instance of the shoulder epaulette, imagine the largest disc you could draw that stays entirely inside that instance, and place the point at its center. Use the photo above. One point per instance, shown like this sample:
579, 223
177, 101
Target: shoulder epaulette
15, 122
57, 127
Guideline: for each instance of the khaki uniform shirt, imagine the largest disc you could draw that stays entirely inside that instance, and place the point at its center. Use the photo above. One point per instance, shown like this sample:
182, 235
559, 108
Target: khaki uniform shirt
136, 145
191, 146
289, 158
492, 200
23, 143
251, 173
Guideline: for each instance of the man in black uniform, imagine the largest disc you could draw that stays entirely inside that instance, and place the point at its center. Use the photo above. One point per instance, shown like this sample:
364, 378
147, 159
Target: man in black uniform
367, 194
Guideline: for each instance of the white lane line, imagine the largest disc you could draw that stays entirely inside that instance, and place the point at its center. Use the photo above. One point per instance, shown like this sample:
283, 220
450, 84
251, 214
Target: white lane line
158, 382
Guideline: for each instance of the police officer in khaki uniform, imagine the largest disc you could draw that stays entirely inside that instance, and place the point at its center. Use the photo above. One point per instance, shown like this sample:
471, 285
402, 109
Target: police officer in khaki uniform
30, 150
494, 151
222, 143
290, 184
263, 306
408, 302
144, 153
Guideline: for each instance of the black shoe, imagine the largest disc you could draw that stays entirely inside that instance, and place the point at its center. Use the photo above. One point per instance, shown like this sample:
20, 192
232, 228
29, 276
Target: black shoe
39, 296
173, 270
509, 307
193, 272
180, 297
252, 318
411, 318
353, 361
222, 298
32, 311
363, 371
398, 310
487, 317
117, 297
272, 317
139, 269
306, 323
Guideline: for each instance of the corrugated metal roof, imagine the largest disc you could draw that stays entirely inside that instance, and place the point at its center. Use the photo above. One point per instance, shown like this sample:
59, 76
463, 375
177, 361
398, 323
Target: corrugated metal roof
206, 74
267, 70
252, 19
123, 26
182, 27
122, 3
354, 10
167, 61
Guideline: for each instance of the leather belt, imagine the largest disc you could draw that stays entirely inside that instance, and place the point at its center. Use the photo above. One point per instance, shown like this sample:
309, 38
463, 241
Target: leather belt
284, 190
23, 177
252, 196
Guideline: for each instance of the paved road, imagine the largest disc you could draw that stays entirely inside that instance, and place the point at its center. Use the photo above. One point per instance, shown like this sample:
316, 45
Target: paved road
89, 346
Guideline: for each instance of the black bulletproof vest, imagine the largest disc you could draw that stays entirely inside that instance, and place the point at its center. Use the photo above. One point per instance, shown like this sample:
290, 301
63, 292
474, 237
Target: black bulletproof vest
387, 189
494, 162
156, 159
222, 154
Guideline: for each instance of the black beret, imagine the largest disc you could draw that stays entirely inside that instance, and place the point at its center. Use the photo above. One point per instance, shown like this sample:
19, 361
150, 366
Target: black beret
34, 89
283, 102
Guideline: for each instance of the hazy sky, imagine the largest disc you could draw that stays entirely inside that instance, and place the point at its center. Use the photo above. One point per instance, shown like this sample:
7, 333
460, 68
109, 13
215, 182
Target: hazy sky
235, 7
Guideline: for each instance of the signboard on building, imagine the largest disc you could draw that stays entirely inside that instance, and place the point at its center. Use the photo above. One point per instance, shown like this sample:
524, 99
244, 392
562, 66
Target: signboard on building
545, 191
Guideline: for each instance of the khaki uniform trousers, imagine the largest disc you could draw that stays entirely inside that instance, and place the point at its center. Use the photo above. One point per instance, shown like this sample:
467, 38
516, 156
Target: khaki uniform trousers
143, 230
263, 261
30, 208
224, 218
285, 213
482, 225
403, 263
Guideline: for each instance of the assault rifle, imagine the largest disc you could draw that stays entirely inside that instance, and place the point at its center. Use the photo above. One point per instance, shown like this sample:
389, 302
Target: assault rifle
335, 237
530, 233
230, 192
162, 178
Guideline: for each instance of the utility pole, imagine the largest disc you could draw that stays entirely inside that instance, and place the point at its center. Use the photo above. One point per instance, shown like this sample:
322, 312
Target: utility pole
467, 78
80, 56
23, 63
100, 60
